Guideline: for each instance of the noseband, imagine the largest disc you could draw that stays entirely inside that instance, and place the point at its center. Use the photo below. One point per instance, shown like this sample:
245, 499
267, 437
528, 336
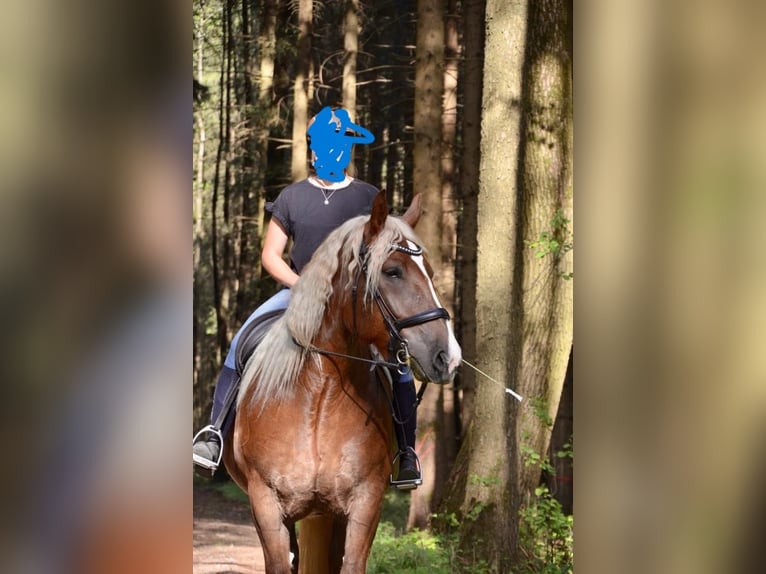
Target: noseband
398, 345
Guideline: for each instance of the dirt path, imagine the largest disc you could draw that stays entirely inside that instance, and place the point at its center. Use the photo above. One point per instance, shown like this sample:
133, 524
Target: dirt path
225, 541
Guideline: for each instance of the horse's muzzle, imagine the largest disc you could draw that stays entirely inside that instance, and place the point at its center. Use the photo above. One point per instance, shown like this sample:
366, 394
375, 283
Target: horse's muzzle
440, 369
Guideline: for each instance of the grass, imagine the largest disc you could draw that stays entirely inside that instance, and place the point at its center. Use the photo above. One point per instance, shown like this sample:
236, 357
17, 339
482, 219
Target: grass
231, 491
416, 552
395, 550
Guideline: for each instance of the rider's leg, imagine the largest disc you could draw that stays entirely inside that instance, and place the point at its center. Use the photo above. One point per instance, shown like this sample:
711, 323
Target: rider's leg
405, 409
207, 445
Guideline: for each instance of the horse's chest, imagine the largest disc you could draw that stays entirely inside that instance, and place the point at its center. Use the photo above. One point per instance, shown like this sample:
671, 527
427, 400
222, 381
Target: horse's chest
327, 472
328, 453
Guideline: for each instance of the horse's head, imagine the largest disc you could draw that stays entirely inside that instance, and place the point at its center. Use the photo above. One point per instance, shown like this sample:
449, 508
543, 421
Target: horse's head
403, 314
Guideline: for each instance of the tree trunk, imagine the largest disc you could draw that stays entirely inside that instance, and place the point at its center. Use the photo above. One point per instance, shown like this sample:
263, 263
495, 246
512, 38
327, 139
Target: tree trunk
227, 306
267, 47
429, 84
299, 167
351, 47
478, 491
544, 300
446, 446
215, 235
203, 358
473, 25
199, 228
250, 176
449, 137
561, 483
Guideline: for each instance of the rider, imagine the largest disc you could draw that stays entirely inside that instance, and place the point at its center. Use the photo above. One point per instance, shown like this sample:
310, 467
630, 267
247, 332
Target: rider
307, 212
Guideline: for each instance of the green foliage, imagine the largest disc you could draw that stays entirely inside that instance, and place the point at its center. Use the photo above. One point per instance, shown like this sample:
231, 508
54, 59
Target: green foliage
532, 458
395, 552
540, 408
567, 450
546, 536
485, 481
396, 508
556, 241
414, 552
230, 490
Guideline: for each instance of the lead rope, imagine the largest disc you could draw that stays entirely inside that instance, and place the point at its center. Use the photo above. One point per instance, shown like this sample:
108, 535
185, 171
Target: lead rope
516, 395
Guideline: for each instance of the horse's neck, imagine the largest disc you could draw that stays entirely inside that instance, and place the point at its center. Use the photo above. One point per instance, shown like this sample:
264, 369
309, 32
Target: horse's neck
343, 348
342, 354
333, 334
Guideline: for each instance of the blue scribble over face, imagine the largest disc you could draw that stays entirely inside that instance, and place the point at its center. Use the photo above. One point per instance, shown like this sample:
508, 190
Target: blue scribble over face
332, 144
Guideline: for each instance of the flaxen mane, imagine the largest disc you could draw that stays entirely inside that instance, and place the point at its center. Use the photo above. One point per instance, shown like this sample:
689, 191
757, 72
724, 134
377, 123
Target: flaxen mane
277, 361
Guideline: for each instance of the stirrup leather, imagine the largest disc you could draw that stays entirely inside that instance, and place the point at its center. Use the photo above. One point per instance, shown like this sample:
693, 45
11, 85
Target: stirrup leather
407, 484
203, 462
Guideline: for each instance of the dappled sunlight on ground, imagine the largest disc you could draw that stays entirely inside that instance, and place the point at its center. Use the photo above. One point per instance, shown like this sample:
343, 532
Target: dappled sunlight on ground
225, 540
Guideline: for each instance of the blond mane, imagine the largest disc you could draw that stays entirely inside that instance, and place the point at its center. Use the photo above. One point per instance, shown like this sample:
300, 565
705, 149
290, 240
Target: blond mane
278, 360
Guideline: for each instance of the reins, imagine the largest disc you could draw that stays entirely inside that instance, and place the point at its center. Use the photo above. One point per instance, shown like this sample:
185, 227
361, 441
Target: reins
373, 362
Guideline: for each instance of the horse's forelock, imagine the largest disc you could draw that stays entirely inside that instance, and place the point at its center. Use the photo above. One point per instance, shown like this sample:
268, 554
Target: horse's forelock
381, 248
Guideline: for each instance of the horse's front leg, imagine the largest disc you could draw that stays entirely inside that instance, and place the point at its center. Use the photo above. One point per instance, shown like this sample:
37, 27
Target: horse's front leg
363, 518
274, 535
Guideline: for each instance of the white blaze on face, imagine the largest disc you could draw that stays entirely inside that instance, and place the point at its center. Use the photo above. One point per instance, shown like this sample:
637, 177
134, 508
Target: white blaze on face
453, 350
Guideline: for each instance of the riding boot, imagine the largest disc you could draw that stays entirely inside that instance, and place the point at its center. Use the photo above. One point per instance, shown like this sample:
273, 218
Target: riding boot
208, 443
405, 409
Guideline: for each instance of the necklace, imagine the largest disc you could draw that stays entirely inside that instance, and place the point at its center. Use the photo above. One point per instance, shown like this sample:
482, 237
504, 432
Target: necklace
332, 188
327, 197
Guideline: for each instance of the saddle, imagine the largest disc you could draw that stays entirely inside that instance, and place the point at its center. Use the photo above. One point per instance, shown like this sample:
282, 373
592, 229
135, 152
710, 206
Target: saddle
252, 335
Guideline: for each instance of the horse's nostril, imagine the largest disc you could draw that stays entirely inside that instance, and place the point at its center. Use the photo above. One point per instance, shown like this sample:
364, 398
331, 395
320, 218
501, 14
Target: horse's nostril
441, 361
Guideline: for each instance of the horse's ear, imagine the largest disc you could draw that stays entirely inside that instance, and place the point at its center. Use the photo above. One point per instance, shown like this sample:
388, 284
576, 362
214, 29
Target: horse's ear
412, 215
377, 217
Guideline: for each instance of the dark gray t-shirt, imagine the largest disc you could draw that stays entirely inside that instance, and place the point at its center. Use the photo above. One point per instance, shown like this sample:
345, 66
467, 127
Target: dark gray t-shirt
301, 211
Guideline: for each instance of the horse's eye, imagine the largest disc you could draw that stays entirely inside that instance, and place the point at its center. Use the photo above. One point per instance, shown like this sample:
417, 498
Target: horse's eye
393, 272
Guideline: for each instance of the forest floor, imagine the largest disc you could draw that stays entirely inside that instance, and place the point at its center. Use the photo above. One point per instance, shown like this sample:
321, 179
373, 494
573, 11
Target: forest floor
225, 540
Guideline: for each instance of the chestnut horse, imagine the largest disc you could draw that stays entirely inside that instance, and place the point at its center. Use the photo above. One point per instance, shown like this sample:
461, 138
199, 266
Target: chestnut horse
313, 433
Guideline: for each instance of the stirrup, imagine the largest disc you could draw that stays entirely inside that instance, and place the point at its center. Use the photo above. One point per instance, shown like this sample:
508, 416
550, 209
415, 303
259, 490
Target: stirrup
407, 484
205, 463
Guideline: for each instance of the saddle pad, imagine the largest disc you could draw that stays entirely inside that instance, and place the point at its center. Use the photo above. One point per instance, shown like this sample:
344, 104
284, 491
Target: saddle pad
254, 334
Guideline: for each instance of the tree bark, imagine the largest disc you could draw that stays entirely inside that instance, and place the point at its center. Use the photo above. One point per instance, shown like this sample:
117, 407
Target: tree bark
350, 49
203, 359
215, 235
249, 178
429, 87
478, 491
446, 446
544, 301
299, 167
561, 483
525, 334
472, 82
267, 47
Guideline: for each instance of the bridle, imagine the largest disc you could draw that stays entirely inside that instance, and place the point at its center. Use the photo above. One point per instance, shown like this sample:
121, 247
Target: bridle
398, 345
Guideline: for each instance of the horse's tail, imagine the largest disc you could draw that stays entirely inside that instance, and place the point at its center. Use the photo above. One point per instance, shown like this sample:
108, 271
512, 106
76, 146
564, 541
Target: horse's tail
314, 541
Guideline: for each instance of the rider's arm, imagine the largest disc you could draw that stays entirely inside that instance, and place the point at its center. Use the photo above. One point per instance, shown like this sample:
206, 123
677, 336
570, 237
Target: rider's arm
271, 255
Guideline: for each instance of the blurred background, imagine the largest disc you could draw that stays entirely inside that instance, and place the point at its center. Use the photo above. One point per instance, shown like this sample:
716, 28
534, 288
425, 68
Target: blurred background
95, 277
104, 346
